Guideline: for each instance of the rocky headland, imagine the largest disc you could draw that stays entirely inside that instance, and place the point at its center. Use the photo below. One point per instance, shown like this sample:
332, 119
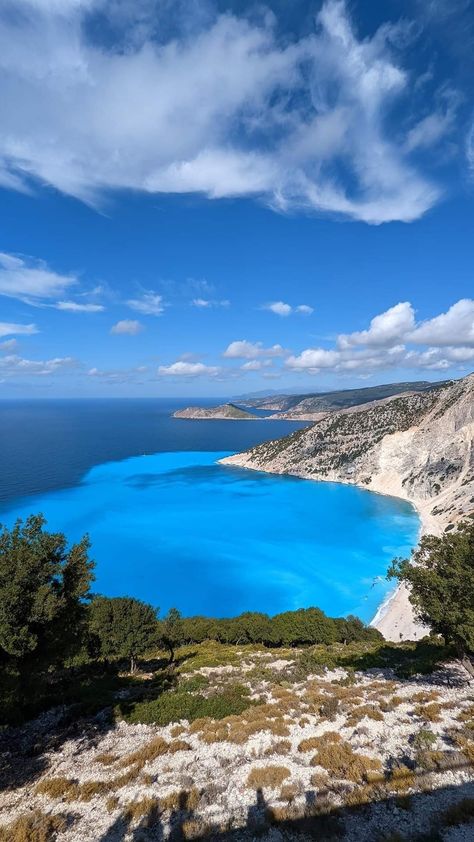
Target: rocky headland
417, 446
224, 412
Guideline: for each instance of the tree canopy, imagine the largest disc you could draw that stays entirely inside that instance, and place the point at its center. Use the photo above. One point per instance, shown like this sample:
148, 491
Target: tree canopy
123, 626
44, 588
440, 576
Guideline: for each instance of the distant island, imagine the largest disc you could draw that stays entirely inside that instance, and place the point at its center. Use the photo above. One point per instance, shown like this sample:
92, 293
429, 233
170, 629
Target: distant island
224, 412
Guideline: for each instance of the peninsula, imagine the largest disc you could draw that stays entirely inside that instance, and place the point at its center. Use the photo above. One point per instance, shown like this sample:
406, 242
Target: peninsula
417, 446
224, 412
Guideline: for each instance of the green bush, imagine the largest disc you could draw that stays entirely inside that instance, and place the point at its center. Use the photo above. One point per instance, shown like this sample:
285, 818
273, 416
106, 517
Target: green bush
177, 705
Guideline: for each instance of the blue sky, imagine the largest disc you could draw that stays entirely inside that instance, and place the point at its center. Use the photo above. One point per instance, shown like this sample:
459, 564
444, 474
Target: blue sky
217, 198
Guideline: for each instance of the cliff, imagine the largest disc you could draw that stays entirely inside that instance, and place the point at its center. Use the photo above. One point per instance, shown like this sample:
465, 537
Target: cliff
418, 446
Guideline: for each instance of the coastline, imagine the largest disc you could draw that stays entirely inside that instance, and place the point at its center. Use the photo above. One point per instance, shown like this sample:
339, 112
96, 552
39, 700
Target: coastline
394, 618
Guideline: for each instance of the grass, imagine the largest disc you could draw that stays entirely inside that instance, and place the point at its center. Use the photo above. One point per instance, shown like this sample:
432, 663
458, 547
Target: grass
34, 827
267, 777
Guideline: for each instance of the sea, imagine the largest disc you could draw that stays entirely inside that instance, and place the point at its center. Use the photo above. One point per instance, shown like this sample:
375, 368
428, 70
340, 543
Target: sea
171, 525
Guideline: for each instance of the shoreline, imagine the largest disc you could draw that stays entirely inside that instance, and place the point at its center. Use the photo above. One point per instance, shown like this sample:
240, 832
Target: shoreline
394, 617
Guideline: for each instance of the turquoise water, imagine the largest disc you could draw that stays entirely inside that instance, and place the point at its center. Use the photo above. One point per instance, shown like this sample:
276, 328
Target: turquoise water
179, 529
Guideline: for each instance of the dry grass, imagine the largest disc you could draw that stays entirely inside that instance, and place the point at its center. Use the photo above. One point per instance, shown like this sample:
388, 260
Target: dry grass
429, 712
181, 800
112, 803
143, 807
106, 758
34, 827
270, 777
342, 762
149, 752
238, 729
315, 743
425, 696
359, 713
280, 747
401, 778
319, 780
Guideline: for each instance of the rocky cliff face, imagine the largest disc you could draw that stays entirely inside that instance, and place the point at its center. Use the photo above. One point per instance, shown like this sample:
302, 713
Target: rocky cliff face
418, 446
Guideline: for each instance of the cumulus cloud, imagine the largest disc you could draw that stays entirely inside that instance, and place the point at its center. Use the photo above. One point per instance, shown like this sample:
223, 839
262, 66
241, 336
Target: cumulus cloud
10, 328
386, 343
150, 304
389, 327
455, 327
255, 365
232, 110
188, 369
242, 349
127, 326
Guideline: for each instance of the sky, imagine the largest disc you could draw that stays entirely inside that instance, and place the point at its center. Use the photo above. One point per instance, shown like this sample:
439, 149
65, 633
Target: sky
218, 198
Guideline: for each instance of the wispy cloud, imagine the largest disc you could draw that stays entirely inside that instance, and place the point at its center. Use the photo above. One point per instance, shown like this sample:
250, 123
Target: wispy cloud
31, 280
150, 303
209, 303
286, 121
12, 329
77, 307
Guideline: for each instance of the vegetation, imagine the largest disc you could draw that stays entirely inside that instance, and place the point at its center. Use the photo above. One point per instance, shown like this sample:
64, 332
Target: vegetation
122, 627
440, 576
44, 589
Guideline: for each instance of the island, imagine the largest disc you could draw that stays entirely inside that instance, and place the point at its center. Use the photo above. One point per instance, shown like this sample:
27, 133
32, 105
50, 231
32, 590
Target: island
224, 412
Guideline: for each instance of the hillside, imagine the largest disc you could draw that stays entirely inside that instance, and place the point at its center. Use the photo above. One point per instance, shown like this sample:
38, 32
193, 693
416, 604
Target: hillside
224, 412
298, 405
246, 743
415, 446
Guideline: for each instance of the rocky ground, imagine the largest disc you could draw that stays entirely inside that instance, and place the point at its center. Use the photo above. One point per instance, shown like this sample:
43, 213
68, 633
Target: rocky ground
315, 753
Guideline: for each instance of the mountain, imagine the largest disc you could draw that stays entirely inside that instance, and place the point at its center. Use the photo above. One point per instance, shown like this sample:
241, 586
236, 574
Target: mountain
224, 412
417, 446
328, 401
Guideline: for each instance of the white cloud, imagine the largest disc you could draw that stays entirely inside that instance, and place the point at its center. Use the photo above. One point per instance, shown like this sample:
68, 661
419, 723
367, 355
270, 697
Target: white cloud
281, 308
10, 328
31, 280
389, 327
9, 345
76, 307
208, 303
187, 369
256, 365
127, 326
150, 304
455, 327
242, 349
13, 366
386, 343
231, 111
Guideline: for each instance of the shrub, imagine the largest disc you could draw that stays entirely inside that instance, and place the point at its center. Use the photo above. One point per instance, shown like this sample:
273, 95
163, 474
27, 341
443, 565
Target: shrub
269, 777
342, 762
33, 827
176, 705
143, 807
315, 743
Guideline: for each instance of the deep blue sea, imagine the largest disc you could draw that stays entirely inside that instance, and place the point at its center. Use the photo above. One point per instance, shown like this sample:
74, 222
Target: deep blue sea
170, 525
